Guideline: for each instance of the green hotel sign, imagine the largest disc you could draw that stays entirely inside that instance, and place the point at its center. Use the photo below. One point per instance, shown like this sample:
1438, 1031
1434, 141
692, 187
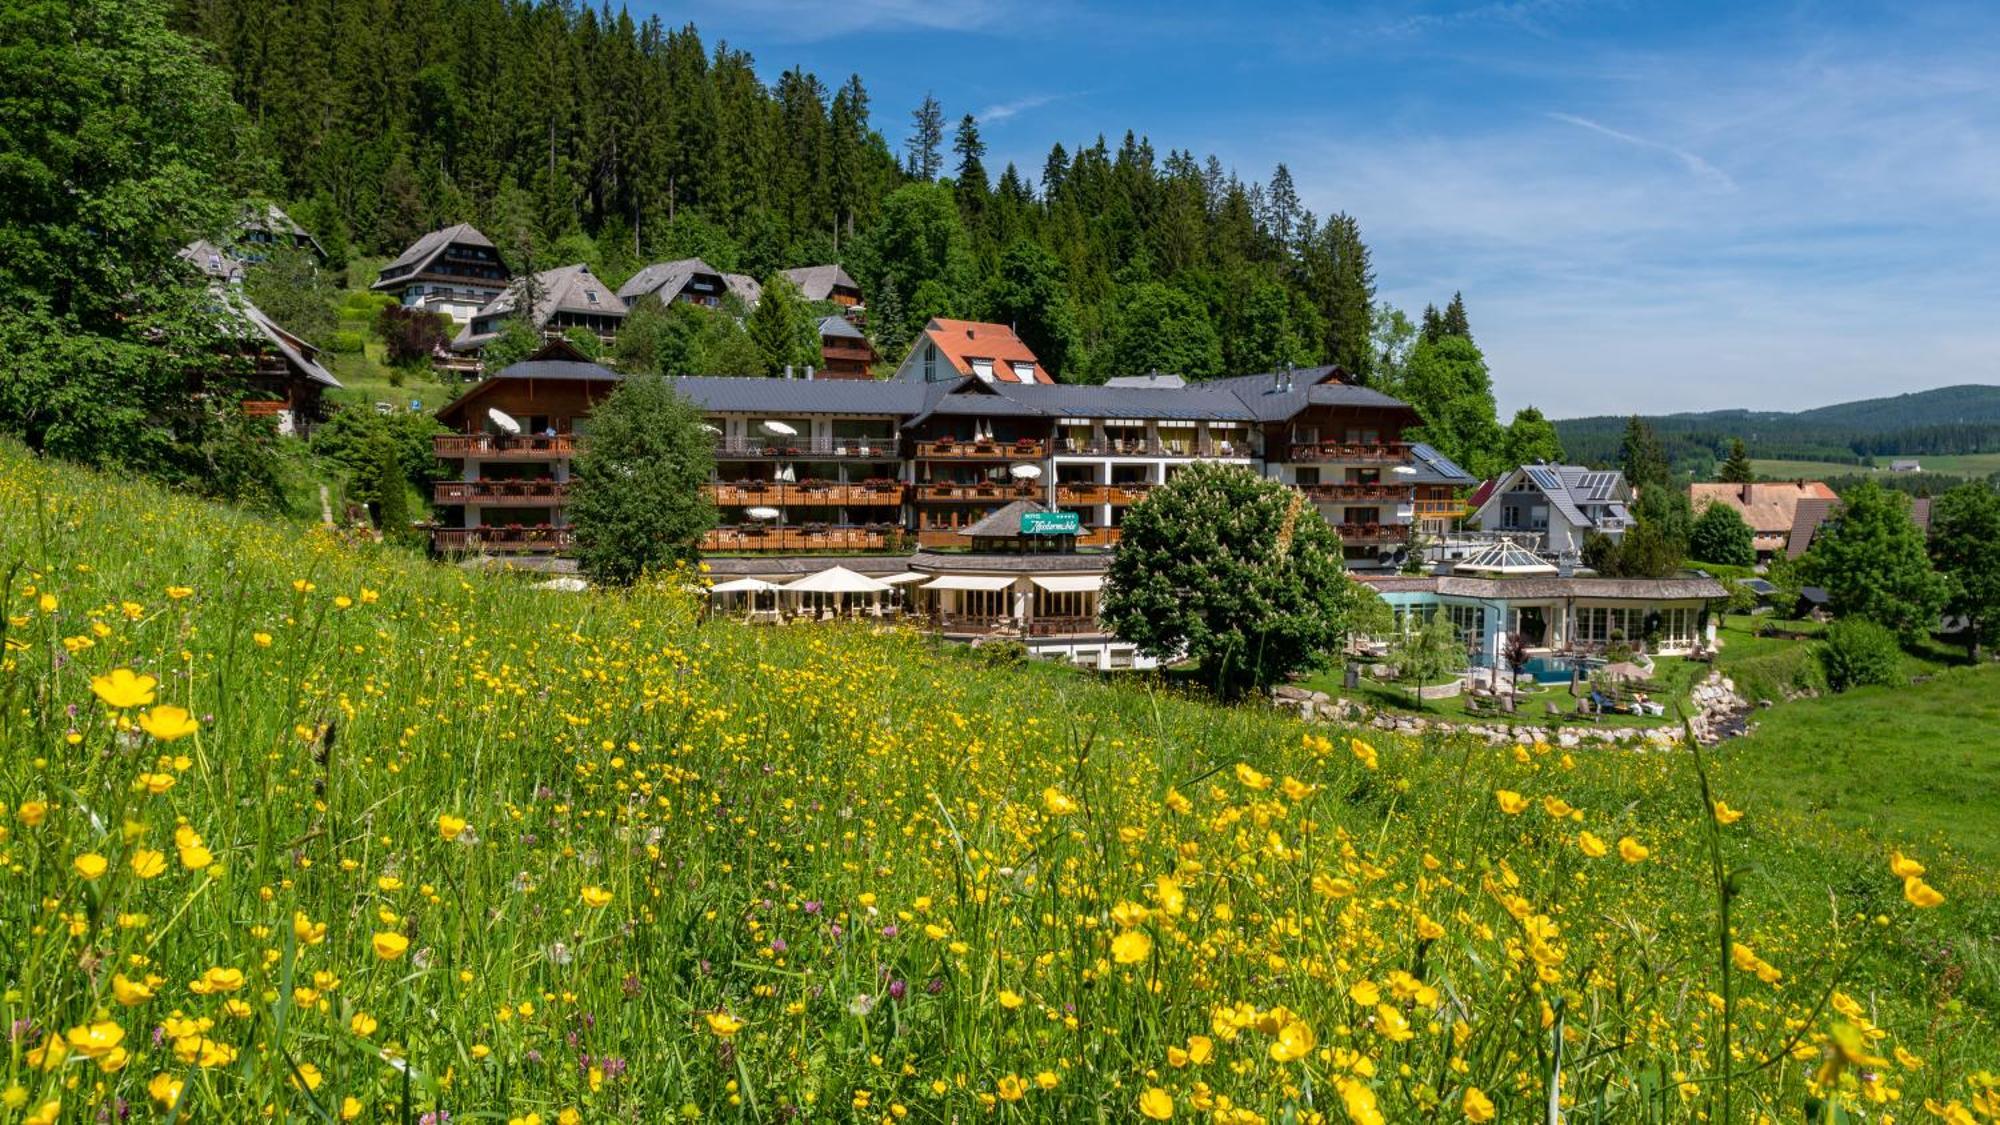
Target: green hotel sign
1051, 523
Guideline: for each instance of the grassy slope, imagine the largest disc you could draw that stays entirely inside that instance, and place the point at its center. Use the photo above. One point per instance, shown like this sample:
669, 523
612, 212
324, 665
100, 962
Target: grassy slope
1965, 464
788, 821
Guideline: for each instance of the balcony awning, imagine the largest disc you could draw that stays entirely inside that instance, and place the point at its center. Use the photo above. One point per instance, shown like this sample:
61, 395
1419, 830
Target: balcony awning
904, 578
969, 582
1071, 583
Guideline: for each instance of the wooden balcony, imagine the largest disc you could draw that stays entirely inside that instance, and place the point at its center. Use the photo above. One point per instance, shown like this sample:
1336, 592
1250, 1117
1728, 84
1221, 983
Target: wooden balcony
1439, 509
1378, 453
504, 447
1101, 493
797, 538
500, 493
977, 493
764, 447
1363, 534
772, 495
1353, 493
501, 540
1098, 537
1027, 449
1139, 448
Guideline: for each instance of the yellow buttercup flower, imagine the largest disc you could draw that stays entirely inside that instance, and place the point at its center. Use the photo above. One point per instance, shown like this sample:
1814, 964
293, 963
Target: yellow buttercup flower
1131, 947
1156, 1104
1295, 1041
1632, 851
1477, 1106
1903, 866
124, 689
168, 723
389, 945
1057, 802
723, 1025
1726, 815
1511, 803
1010, 1088
148, 864
91, 866
1922, 895
1591, 845
450, 827
596, 897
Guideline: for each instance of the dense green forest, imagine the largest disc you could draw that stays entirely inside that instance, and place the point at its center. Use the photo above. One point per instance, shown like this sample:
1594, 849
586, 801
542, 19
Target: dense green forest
572, 134
1948, 420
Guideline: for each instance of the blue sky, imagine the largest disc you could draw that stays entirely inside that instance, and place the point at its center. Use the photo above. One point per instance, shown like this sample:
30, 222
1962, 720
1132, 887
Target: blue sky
1649, 206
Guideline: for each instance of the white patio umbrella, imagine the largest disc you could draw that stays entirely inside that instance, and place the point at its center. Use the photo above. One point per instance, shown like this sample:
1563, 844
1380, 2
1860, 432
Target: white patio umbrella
783, 429
1025, 471
711, 427
761, 513
840, 581
503, 420
742, 586
787, 472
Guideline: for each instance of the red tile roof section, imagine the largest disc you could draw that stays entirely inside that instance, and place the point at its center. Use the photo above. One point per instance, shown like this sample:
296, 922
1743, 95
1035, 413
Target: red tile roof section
963, 341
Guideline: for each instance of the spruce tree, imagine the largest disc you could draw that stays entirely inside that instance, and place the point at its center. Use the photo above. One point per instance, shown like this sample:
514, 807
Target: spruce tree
1642, 458
1453, 322
1432, 327
972, 186
782, 328
1736, 470
391, 488
926, 140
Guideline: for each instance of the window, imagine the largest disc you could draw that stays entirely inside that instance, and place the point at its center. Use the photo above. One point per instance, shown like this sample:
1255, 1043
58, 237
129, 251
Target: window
1065, 603
984, 603
1305, 435
1306, 477
1470, 620
983, 368
1025, 372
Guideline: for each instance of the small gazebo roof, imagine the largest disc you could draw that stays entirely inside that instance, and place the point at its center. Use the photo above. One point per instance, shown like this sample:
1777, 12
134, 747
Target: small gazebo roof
837, 580
1504, 556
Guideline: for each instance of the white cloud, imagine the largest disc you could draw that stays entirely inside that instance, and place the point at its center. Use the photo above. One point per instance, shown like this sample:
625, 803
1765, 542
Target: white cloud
1003, 110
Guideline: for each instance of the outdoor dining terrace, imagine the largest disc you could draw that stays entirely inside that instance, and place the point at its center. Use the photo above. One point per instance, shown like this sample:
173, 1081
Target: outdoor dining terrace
807, 494
800, 537
517, 540
500, 493
457, 447
982, 449
1365, 453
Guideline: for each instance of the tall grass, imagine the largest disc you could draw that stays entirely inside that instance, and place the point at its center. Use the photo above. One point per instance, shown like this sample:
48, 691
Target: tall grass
446, 846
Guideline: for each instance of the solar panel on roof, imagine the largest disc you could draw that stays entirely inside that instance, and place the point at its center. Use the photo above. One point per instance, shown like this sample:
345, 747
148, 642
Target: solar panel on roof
1544, 479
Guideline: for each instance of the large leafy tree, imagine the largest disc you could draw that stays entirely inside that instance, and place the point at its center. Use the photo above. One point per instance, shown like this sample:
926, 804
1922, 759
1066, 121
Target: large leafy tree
1965, 546
919, 240
1720, 536
1870, 557
1160, 328
1446, 380
1531, 437
116, 143
635, 500
1028, 293
1234, 571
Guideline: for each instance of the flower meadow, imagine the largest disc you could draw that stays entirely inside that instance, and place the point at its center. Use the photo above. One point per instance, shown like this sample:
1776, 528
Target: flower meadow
293, 827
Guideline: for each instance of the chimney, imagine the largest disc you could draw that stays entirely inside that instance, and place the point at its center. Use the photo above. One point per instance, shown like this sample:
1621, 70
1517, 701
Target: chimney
788, 371
1746, 492
809, 372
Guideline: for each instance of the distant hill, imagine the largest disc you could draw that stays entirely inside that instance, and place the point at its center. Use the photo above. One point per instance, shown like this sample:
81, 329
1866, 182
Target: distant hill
1948, 420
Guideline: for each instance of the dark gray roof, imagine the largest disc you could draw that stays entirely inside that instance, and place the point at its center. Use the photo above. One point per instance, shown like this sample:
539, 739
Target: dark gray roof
212, 260
741, 395
1196, 402
724, 568
294, 348
942, 562
420, 253
664, 278
571, 289
1586, 497
1433, 467
1270, 397
817, 282
1003, 522
1155, 381
840, 326
557, 369
745, 287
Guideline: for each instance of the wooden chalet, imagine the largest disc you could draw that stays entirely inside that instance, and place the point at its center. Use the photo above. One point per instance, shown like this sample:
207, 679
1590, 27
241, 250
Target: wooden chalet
454, 272
564, 298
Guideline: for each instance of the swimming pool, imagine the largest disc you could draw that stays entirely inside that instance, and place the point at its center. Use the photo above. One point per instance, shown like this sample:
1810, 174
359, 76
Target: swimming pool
1555, 669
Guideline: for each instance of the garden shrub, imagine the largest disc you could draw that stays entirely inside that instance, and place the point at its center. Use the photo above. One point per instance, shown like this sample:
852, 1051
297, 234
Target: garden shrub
1857, 652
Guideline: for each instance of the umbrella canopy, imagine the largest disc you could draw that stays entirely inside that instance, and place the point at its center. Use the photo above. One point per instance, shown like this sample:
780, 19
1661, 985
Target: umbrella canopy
1025, 471
742, 586
784, 429
905, 578
837, 580
503, 420
761, 513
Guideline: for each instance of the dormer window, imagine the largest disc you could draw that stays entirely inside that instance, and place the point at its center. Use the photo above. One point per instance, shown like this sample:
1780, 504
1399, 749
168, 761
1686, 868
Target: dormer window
983, 368
1024, 372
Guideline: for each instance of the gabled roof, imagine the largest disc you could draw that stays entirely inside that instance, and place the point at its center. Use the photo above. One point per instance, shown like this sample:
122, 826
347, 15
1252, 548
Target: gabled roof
1433, 467
212, 260
666, 279
1155, 381
271, 219
1274, 396
1003, 522
1585, 497
744, 287
1770, 508
295, 349
817, 283
572, 289
418, 256
962, 341
556, 360
1811, 512
840, 326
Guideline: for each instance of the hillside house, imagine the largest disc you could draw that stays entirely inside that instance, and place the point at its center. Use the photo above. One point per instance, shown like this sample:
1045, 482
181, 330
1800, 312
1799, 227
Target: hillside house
285, 377
453, 272
1552, 508
265, 227
947, 350
828, 283
1778, 512
845, 352
691, 280
566, 297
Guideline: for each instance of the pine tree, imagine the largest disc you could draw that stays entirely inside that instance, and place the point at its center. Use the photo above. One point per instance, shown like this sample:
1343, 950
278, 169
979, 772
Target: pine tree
972, 185
926, 139
1431, 328
1737, 470
782, 328
391, 488
1453, 322
1281, 203
1642, 458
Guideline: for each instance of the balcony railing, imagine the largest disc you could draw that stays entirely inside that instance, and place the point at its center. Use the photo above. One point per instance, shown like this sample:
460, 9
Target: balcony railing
800, 538
1026, 449
503, 446
975, 622
1098, 537
1365, 453
1064, 626
762, 494
1093, 493
753, 448
1439, 509
1347, 493
1366, 533
509, 540
963, 493
1135, 447
519, 493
